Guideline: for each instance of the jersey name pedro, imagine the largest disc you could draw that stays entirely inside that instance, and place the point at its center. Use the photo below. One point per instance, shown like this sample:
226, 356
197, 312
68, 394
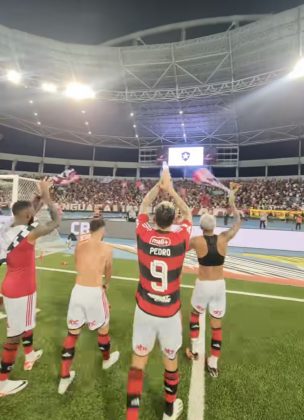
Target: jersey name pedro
20, 278
160, 258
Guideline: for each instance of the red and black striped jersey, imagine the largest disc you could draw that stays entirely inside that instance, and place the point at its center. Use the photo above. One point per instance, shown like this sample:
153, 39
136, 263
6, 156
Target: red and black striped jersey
160, 257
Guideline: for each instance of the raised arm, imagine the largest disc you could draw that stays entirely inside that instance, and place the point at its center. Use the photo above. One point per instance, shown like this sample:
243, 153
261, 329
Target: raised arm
47, 228
149, 198
230, 233
180, 203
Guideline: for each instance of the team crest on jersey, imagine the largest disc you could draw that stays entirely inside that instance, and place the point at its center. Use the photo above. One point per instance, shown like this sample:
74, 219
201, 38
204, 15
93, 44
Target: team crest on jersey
160, 241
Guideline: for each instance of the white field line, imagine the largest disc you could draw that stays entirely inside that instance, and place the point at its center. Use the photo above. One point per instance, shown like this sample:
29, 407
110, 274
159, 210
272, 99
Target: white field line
187, 286
196, 400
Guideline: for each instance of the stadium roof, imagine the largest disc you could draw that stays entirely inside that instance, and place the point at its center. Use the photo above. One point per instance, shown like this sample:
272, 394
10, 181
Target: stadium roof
228, 88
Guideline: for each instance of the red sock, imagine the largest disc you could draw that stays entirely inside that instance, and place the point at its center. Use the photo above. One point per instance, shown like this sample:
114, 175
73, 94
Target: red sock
67, 355
104, 344
27, 341
216, 342
171, 381
8, 358
194, 325
134, 392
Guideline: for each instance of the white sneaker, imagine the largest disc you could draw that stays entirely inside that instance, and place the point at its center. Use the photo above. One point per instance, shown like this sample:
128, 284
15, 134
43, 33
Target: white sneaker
177, 410
66, 382
31, 359
113, 359
8, 387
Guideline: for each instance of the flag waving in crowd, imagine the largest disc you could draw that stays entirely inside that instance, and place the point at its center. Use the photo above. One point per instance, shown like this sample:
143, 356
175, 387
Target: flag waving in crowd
67, 177
204, 176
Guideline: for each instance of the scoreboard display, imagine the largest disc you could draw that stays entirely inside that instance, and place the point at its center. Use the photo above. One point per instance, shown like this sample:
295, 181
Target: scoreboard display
185, 156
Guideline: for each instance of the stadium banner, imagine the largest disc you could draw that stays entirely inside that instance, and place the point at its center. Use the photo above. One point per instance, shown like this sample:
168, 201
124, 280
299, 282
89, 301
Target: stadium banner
106, 207
278, 214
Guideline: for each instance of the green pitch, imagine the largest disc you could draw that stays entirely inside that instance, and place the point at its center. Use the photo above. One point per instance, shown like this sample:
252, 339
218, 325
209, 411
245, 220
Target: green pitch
261, 368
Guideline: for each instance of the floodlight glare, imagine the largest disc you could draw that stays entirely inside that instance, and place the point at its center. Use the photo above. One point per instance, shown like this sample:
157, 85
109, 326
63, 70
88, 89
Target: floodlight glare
298, 70
79, 91
14, 76
49, 87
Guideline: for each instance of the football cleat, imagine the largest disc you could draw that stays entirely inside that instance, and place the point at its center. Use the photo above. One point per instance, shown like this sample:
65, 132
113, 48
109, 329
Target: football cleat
213, 372
9, 387
31, 359
113, 359
66, 382
177, 410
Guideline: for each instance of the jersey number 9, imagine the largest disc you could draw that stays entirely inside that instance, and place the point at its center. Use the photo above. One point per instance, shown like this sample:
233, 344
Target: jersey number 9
159, 270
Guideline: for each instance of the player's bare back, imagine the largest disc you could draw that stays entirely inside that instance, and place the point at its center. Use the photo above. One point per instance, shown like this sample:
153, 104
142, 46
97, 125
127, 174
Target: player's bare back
92, 258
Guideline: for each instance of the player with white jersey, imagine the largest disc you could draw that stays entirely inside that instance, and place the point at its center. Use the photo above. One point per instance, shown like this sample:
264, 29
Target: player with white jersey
161, 253
88, 303
19, 285
210, 291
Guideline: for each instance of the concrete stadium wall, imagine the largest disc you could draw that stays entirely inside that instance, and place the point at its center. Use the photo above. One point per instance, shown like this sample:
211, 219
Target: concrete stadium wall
246, 238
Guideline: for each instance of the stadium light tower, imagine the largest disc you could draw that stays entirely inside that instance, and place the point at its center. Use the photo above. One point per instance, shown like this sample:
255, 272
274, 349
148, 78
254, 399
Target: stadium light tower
298, 70
79, 91
14, 76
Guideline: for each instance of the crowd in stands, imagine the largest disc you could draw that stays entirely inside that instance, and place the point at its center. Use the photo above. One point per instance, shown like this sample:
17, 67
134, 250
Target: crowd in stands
116, 194
273, 194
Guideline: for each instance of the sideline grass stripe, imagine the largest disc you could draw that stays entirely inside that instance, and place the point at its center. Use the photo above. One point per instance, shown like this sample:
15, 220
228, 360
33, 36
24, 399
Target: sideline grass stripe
196, 399
186, 286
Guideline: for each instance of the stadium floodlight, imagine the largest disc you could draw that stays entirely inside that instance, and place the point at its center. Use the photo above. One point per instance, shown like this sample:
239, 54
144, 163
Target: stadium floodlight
31, 101
298, 70
49, 87
14, 76
38, 123
89, 132
36, 114
79, 91
132, 114
86, 122
83, 111
180, 112
134, 125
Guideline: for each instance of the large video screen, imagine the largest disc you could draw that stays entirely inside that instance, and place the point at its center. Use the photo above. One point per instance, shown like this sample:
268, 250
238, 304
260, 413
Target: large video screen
186, 156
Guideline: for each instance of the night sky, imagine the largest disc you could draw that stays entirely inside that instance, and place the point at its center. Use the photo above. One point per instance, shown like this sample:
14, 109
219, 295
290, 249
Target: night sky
95, 21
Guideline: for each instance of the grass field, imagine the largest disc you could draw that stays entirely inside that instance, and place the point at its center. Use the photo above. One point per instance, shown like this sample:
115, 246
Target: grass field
261, 368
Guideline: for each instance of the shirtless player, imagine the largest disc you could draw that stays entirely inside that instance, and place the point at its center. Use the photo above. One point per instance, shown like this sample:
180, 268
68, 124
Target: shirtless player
88, 303
209, 290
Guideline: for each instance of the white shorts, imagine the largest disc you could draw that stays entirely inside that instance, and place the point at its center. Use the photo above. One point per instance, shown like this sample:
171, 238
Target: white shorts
88, 305
147, 328
21, 314
210, 294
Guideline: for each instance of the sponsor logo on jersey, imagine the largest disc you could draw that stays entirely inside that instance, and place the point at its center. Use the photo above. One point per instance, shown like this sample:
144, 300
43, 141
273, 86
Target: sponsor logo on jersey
161, 299
160, 241
218, 313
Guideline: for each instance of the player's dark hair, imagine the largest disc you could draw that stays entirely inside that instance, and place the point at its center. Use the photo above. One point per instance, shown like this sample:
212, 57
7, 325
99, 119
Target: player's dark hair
19, 206
96, 224
164, 215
